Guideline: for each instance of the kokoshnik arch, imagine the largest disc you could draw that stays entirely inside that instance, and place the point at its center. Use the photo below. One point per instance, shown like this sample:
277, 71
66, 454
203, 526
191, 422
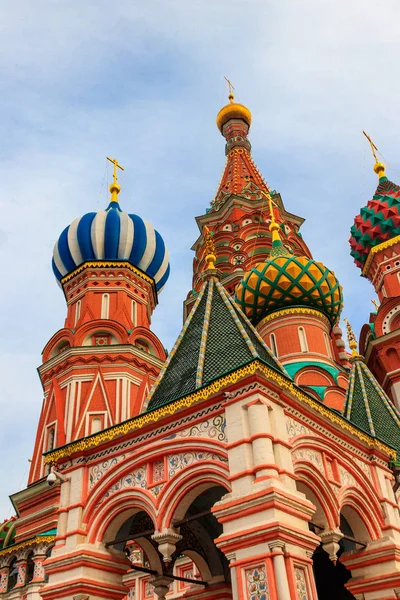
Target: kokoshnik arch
259, 460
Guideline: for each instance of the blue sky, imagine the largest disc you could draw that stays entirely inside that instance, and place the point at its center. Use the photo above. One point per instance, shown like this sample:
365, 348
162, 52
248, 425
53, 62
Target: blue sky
143, 81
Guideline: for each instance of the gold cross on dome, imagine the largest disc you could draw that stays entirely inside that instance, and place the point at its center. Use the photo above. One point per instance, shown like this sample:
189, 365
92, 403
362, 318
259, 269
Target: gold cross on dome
373, 147
231, 88
116, 164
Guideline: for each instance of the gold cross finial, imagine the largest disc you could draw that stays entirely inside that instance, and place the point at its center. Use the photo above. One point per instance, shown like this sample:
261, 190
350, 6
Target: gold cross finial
374, 302
231, 88
273, 227
351, 338
114, 187
379, 167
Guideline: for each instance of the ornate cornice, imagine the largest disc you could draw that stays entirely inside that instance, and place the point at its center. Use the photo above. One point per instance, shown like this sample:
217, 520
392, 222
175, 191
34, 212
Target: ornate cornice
40, 539
293, 311
203, 394
113, 264
387, 244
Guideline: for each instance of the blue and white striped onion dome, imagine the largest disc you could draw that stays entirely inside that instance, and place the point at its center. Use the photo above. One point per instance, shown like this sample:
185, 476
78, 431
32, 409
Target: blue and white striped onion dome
112, 234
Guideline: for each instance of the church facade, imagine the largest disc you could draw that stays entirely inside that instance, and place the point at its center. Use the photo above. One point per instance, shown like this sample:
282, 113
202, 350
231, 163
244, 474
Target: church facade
258, 460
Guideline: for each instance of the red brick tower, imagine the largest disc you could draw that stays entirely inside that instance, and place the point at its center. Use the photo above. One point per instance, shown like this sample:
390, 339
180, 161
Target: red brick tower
100, 366
375, 246
239, 217
299, 323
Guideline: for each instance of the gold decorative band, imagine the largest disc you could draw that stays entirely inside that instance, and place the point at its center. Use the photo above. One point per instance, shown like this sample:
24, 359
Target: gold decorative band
114, 264
205, 393
376, 249
40, 539
293, 311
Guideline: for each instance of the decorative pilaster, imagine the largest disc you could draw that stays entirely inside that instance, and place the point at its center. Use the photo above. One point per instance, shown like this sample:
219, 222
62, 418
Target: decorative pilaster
263, 450
4, 571
166, 540
282, 585
38, 558
22, 567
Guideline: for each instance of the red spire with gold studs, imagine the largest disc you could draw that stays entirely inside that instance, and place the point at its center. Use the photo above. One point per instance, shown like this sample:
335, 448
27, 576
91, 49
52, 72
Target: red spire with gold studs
240, 176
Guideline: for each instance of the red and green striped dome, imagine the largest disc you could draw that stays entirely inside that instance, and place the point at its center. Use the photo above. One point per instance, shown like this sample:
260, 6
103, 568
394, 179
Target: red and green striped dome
377, 222
285, 280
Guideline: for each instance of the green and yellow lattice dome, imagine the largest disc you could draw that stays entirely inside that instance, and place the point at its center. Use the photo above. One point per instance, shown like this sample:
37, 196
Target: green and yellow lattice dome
285, 280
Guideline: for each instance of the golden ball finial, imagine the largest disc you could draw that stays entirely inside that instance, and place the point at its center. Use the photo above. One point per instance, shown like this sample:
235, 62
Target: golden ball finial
379, 169
233, 110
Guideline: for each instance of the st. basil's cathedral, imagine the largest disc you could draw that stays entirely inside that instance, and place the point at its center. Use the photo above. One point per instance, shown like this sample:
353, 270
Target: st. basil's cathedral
259, 459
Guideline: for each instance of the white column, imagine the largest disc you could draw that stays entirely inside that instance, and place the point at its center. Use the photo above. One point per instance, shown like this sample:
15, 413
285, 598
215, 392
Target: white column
281, 581
263, 448
231, 556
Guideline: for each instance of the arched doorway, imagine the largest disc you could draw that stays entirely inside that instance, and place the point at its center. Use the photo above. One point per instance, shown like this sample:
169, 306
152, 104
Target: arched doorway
196, 564
199, 528
330, 578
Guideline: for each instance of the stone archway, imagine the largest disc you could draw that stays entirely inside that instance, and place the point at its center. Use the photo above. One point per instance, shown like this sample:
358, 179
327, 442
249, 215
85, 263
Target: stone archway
330, 575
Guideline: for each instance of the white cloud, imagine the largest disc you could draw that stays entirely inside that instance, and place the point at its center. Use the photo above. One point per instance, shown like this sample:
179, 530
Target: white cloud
143, 81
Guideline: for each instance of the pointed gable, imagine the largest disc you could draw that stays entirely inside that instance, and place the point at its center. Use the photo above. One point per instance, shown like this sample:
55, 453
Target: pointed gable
216, 339
368, 407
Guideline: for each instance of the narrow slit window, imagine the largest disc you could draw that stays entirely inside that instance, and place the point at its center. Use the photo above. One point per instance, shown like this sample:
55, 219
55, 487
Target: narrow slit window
273, 344
303, 340
105, 306
133, 313
77, 311
50, 439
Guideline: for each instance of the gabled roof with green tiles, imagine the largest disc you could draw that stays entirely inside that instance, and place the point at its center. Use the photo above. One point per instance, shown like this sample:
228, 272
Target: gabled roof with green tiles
216, 339
369, 408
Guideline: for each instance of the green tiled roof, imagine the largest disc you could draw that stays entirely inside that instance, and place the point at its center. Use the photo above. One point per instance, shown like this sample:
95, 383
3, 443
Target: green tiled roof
7, 532
217, 338
368, 407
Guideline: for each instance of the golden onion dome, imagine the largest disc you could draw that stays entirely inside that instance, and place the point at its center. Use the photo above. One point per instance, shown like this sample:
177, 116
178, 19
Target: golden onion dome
233, 110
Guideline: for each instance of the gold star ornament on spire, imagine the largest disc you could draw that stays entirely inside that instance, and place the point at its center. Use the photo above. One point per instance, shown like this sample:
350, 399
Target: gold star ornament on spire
114, 187
379, 167
351, 338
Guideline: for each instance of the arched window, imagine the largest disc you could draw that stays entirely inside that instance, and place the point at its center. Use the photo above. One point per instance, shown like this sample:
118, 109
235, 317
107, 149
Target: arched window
96, 425
105, 306
12, 575
30, 568
133, 313
303, 340
50, 438
77, 311
274, 348
328, 345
